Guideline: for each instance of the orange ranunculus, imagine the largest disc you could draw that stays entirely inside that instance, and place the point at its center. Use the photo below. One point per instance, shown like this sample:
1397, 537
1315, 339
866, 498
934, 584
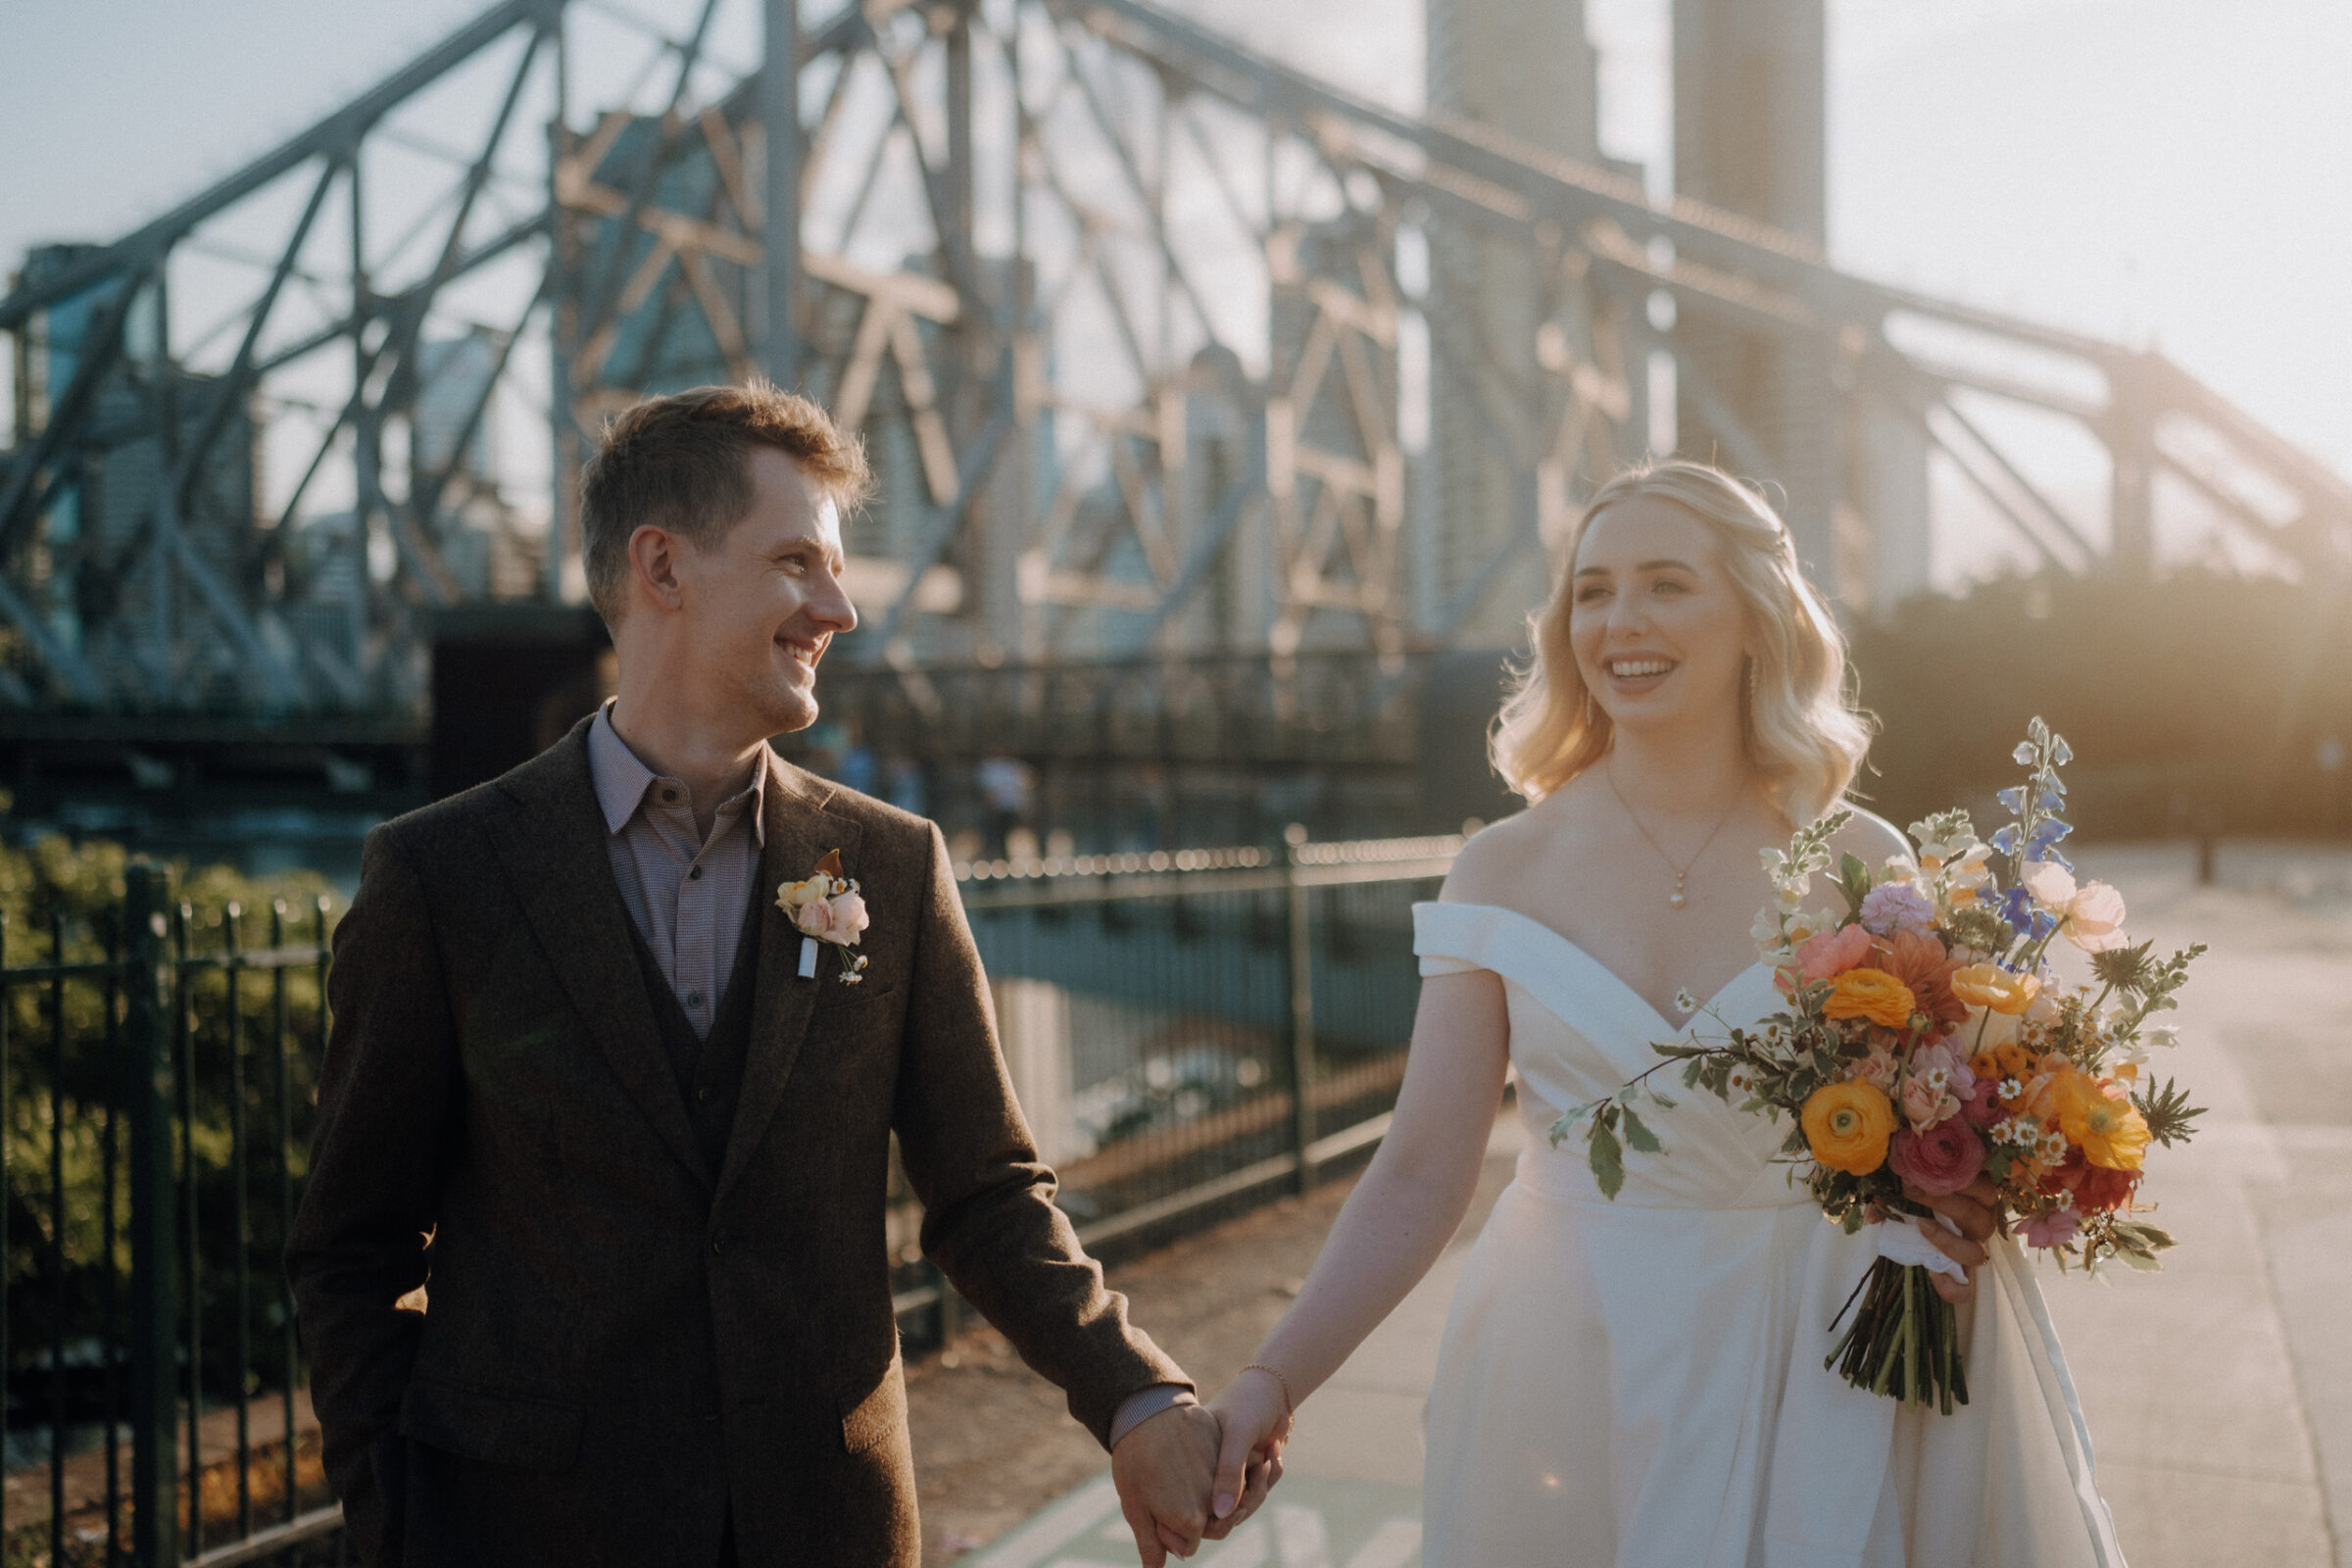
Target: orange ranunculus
1847, 1126
1871, 994
1985, 985
1926, 969
2102, 1120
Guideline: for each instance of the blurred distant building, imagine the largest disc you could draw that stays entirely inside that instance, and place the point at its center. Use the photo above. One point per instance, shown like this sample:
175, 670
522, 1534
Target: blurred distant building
116, 511
451, 417
478, 531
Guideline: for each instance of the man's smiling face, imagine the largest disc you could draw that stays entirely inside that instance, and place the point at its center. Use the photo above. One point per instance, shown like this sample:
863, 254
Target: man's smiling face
765, 599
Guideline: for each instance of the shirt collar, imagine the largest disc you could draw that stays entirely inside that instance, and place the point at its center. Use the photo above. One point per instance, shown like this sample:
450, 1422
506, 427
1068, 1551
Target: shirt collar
620, 779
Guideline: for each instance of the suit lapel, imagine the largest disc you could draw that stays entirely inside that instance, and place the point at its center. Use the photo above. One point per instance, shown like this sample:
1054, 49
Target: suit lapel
554, 853
798, 831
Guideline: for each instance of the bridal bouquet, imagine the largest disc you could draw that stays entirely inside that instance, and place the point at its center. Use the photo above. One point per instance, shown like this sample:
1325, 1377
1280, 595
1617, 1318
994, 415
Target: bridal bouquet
1927, 1039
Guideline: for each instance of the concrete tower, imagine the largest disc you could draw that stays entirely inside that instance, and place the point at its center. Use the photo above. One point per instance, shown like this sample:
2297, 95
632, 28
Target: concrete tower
1526, 68
1750, 96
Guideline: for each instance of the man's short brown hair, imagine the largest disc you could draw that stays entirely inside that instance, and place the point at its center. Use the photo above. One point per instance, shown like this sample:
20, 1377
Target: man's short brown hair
683, 463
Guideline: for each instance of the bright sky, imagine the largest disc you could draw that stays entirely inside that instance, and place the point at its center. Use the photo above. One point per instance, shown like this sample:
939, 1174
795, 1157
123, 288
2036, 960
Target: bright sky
2174, 171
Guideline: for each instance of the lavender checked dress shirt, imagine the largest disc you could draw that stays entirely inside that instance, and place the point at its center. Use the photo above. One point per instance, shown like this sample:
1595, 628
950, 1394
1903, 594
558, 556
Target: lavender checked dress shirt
688, 896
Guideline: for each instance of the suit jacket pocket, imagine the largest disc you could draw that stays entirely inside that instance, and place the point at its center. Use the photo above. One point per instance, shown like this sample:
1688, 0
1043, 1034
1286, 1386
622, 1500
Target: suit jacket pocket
494, 1427
875, 1416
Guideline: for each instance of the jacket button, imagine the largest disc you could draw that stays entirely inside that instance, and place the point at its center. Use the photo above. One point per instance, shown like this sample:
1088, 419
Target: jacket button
693, 998
717, 1246
706, 1095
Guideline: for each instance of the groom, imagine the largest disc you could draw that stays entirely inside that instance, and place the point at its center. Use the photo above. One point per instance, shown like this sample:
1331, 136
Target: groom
591, 1087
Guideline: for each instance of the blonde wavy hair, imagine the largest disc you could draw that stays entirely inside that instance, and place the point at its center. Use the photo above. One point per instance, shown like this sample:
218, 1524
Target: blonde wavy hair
1803, 737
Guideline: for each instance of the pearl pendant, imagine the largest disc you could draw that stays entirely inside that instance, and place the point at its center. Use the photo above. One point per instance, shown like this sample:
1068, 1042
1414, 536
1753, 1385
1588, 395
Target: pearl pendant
1674, 900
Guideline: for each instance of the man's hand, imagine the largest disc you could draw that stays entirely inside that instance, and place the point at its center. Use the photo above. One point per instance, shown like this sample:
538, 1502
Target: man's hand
1976, 1209
1163, 1470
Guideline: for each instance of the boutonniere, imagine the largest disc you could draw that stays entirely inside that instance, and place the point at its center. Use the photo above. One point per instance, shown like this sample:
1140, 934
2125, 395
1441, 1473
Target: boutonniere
827, 908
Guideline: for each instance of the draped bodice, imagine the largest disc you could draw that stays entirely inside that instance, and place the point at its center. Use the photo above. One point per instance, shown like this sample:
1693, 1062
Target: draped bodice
1578, 1032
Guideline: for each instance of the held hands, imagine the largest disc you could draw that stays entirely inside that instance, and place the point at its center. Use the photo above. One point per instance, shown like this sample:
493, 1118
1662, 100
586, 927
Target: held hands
1974, 1208
1164, 1470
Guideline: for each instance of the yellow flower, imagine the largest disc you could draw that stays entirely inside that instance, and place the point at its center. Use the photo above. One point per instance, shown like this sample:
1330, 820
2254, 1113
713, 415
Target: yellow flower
1871, 994
2016, 1060
1988, 986
2102, 1120
1847, 1126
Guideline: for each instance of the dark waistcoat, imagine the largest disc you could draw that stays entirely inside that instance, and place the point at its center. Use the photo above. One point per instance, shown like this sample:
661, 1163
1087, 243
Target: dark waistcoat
709, 1070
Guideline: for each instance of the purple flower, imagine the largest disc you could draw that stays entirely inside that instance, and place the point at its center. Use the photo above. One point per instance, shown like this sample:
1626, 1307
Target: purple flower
1893, 906
2017, 908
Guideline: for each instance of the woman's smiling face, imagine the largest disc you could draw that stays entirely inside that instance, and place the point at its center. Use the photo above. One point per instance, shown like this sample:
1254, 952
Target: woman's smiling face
1659, 631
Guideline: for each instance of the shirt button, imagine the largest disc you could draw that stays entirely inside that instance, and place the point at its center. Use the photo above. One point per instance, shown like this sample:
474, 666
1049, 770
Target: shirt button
670, 796
693, 875
717, 1246
706, 1095
693, 998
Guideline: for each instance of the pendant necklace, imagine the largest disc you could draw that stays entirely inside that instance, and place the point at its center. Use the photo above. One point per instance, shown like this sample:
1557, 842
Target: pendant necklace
1677, 899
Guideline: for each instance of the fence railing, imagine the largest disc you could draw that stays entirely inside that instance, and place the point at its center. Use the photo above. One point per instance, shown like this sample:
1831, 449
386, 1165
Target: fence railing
157, 1074
1191, 1029
1188, 1030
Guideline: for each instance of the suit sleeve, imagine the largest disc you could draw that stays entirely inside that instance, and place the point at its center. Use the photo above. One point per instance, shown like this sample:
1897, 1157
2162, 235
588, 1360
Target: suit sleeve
386, 1109
989, 1220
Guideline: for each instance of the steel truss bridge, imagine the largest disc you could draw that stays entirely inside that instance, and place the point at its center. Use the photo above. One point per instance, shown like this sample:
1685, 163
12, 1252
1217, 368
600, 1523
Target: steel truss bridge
1171, 357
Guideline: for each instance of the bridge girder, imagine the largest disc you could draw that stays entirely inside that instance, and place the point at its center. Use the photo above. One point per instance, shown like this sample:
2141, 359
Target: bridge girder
1132, 316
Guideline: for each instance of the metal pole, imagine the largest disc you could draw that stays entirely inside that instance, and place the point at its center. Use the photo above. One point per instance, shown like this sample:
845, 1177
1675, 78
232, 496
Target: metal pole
780, 115
1303, 1009
957, 241
146, 1090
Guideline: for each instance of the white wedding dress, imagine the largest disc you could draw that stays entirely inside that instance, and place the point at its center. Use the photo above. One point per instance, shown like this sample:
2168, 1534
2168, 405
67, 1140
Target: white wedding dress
1639, 1383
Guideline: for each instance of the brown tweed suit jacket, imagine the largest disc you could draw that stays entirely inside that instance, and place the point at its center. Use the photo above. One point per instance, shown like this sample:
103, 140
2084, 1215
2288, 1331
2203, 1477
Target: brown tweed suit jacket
624, 1347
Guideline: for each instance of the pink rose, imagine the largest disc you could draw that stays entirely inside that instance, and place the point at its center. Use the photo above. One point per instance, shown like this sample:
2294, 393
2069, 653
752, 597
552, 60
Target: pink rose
2054, 1229
1877, 1069
815, 918
1983, 1106
849, 917
1832, 953
1940, 1161
1926, 1103
1947, 1058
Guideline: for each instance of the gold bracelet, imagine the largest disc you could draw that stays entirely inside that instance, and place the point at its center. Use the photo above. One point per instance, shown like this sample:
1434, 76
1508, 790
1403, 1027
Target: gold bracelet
1290, 1406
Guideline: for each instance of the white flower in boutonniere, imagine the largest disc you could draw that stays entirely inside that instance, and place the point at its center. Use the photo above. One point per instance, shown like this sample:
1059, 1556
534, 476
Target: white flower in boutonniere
828, 907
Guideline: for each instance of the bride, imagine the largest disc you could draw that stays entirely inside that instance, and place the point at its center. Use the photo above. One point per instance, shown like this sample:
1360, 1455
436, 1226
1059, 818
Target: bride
1642, 1382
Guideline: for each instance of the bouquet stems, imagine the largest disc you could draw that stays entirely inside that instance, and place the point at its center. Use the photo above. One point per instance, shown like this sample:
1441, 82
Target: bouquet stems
1904, 1341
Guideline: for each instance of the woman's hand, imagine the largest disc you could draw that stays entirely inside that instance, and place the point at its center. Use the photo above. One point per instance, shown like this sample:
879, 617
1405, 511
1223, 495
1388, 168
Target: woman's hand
1254, 1412
1976, 1209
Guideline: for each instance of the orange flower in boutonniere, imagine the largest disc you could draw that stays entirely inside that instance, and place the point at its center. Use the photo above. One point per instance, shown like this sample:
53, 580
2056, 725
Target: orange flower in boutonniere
826, 906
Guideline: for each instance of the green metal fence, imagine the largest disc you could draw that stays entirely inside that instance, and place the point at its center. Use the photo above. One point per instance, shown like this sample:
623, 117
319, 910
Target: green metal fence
156, 1088
1191, 1031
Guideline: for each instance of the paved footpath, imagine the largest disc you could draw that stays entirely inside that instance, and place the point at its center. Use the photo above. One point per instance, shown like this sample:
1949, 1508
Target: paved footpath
2219, 1393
